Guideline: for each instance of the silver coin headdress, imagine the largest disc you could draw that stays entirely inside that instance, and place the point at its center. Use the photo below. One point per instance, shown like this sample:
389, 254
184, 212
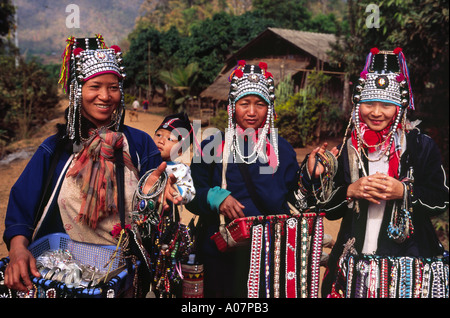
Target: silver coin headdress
252, 80
84, 59
385, 78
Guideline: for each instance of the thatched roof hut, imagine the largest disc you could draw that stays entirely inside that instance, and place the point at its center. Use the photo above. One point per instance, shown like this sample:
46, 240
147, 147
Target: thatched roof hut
287, 52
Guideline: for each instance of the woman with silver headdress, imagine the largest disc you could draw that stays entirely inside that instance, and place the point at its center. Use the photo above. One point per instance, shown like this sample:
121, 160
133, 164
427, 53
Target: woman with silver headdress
388, 183
70, 184
248, 171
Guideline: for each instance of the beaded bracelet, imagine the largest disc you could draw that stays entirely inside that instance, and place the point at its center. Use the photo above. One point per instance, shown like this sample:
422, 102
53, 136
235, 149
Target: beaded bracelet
330, 165
146, 212
400, 227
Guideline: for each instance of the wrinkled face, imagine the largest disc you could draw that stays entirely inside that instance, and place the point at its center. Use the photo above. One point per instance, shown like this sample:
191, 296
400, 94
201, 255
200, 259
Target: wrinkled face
377, 115
251, 112
100, 98
165, 141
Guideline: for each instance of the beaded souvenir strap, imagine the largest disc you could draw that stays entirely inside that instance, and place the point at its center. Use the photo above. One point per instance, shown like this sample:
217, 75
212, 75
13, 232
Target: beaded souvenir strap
371, 276
291, 258
255, 262
283, 264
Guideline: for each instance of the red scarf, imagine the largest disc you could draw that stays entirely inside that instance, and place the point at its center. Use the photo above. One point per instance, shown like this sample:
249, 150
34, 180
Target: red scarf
94, 171
373, 138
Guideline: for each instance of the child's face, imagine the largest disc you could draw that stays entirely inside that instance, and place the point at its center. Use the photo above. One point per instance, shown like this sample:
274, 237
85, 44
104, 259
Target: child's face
165, 140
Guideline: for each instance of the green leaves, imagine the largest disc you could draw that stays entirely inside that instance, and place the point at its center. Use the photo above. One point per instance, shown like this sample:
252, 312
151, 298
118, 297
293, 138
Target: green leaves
28, 95
181, 82
301, 116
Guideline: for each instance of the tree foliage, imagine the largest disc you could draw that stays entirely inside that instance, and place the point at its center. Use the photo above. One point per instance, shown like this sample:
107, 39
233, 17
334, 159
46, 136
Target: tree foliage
300, 116
182, 83
27, 98
421, 28
170, 49
208, 40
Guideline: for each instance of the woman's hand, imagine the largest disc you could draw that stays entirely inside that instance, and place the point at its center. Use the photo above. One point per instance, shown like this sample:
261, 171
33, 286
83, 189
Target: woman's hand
231, 208
170, 191
21, 264
375, 188
312, 160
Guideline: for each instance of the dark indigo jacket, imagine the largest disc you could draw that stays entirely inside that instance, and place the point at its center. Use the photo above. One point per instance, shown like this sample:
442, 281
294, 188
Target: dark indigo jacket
430, 197
274, 190
26, 194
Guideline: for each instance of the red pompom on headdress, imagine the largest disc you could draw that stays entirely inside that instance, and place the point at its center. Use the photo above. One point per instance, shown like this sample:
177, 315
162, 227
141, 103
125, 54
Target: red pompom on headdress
263, 65
400, 77
374, 50
239, 73
397, 50
115, 48
237, 70
77, 51
268, 74
363, 74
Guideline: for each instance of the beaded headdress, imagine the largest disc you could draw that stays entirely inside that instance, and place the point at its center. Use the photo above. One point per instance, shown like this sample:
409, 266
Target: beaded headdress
252, 80
84, 59
385, 78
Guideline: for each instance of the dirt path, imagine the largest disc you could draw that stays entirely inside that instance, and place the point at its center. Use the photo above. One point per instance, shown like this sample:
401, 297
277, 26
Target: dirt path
146, 121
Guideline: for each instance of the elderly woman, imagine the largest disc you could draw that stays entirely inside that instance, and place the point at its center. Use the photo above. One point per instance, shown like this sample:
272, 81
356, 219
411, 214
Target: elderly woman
389, 182
248, 171
70, 184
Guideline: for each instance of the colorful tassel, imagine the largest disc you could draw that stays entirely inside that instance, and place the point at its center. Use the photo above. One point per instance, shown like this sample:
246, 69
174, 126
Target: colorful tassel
65, 66
405, 71
101, 41
237, 70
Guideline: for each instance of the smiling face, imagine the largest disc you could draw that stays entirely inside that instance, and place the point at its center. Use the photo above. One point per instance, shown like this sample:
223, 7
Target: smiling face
377, 115
251, 112
100, 98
